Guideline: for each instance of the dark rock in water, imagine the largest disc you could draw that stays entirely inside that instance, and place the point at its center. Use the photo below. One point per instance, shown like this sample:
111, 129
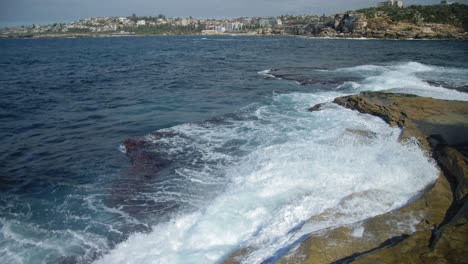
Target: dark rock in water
363, 133
461, 88
312, 76
150, 166
315, 108
134, 144
321, 106
141, 151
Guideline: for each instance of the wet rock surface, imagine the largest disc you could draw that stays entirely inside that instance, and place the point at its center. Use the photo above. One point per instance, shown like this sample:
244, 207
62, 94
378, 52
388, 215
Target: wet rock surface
440, 126
145, 161
431, 229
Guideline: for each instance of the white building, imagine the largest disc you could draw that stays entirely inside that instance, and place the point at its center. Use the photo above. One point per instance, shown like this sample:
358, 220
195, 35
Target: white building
220, 29
234, 26
124, 21
184, 22
141, 23
398, 3
266, 22
161, 21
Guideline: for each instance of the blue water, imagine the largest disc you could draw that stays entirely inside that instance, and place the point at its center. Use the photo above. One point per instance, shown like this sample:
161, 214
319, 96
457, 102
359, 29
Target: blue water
69, 194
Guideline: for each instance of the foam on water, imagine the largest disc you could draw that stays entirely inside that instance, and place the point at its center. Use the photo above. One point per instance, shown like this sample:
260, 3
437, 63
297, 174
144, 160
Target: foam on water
69, 194
407, 78
27, 243
297, 165
267, 74
335, 38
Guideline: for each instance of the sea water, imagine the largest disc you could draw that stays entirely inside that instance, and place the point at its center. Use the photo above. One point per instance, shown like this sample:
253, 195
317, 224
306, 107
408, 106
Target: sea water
244, 164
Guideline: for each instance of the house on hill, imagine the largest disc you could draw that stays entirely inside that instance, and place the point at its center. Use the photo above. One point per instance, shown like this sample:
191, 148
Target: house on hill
398, 3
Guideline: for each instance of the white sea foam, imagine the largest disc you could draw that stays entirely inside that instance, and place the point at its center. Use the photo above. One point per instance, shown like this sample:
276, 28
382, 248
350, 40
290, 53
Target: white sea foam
298, 165
358, 231
336, 38
267, 73
122, 148
27, 243
404, 78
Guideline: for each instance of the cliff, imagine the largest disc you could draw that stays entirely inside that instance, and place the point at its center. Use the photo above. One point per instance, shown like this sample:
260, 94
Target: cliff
431, 229
414, 22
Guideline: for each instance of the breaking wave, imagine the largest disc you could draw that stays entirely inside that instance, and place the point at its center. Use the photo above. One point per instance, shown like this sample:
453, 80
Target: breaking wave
412, 77
272, 167
445, 83
253, 178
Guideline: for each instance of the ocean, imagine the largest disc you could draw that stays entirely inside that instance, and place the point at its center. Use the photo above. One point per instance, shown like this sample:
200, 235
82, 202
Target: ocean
234, 158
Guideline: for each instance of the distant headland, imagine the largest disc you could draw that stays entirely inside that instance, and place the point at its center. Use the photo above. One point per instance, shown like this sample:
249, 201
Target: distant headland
389, 20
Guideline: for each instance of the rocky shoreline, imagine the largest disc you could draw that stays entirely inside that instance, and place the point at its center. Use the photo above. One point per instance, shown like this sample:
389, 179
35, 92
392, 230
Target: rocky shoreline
431, 229
411, 32
439, 22
358, 25
338, 36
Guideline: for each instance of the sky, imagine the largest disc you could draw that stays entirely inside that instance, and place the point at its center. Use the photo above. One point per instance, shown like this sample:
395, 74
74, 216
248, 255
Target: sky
26, 12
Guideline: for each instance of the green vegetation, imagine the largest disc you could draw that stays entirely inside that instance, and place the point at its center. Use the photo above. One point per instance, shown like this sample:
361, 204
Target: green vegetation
455, 14
135, 18
78, 30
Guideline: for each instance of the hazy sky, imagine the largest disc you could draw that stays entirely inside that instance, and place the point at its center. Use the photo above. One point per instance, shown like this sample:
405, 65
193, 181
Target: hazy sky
16, 12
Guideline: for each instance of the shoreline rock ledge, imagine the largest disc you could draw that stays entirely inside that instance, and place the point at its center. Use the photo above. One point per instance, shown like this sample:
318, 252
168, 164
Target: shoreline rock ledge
431, 229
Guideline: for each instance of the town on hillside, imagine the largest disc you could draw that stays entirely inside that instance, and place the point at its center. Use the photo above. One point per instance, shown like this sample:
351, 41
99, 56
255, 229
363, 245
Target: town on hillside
390, 16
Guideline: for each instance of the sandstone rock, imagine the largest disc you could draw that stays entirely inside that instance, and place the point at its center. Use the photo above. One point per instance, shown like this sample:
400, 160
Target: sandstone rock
436, 124
432, 229
377, 34
357, 22
337, 21
391, 34
340, 245
313, 28
349, 23
328, 32
449, 244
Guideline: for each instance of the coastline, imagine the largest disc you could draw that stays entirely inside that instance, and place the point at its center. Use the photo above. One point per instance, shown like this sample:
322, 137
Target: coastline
384, 22
433, 228
203, 105
73, 36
